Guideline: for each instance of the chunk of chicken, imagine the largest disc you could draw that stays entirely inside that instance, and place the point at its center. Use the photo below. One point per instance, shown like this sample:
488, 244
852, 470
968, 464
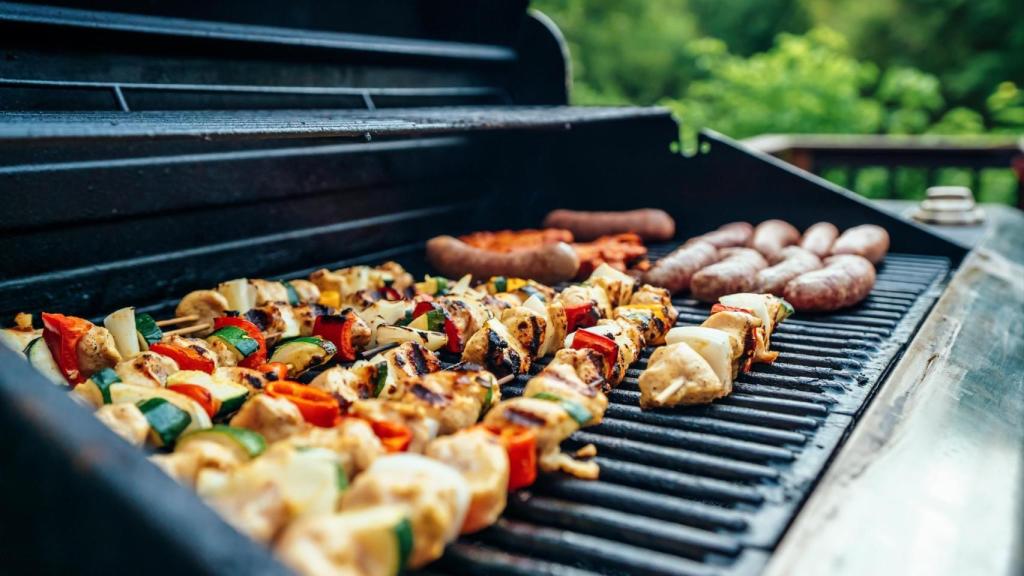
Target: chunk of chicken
260, 512
617, 285
190, 458
482, 460
527, 327
494, 348
254, 380
352, 543
353, 440
147, 369
467, 314
274, 418
423, 426
740, 327
306, 317
436, 495
197, 345
307, 292
676, 374
126, 420
411, 359
268, 291
456, 399
648, 294
551, 423
96, 351
225, 354
579, 295
560, 380
588, 364
206, 304
270, 320
348, 384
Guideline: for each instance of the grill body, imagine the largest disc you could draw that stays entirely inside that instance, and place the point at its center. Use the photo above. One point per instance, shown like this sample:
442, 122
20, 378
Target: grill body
146, 154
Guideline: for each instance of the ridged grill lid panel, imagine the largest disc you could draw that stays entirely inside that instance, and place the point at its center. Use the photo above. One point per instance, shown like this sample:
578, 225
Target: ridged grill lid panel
709, 489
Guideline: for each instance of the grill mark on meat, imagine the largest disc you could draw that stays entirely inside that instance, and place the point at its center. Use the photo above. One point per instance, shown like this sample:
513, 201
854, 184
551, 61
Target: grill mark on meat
419, 360
428, 395
524, 418
257, 382
535, 342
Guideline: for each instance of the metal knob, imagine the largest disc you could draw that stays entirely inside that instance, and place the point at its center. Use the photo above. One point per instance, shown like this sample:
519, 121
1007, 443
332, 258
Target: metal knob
948, 205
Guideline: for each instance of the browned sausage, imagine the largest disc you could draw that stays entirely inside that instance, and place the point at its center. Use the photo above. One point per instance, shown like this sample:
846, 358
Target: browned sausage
795, 261
818, 238
844, 281
674, 271
728, 235
771, 236
735, 272
648, 223
547, 264
869, 241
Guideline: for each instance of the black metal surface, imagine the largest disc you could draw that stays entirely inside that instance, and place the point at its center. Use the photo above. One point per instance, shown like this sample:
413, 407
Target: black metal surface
711, 489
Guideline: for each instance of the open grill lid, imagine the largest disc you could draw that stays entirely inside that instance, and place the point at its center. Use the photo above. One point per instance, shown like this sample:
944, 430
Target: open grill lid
149, 153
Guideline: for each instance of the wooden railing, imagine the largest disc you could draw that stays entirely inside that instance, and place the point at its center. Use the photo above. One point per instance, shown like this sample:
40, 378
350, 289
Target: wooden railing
849, 154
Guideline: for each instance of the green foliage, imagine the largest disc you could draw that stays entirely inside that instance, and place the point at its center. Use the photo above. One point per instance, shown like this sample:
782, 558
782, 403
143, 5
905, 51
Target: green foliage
940, 67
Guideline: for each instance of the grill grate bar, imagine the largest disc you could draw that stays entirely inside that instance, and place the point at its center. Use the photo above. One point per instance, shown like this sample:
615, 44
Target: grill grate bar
699, 489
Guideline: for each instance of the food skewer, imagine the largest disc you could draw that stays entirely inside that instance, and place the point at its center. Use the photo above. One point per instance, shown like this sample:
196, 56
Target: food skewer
189, 329
178, 320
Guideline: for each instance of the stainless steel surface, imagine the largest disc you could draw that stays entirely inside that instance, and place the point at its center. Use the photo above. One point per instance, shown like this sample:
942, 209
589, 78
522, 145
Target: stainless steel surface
967, 235
932, 479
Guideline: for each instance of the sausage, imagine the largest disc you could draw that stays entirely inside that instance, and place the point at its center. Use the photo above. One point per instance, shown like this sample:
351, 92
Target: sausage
547, 264
728, 235
735, 272
771, 236
648, 223
673, 272
818, 238
844, 281
795, 261
868, 240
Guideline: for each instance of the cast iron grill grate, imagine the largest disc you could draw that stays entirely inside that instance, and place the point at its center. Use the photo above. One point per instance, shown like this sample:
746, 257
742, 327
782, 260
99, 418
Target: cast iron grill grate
710, 489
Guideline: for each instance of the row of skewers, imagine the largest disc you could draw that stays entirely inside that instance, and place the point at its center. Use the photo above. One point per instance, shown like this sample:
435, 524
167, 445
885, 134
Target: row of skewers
376, 463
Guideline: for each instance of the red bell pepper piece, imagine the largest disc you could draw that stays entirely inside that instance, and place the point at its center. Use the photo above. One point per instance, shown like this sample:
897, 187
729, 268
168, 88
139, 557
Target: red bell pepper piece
422, 308
275, 371
395, 436
317, 407
582, 316
521, 445
201, 395
337, 328
186, 358
451, 331
62, 334
257, 358
603, 344
390, 294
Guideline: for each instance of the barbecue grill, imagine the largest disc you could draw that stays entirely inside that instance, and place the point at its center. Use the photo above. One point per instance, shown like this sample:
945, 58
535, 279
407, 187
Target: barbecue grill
146, 151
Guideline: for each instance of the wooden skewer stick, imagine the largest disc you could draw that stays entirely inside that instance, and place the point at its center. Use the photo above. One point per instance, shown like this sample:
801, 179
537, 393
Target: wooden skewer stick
506, 379
178, 320
374, 351
188, 330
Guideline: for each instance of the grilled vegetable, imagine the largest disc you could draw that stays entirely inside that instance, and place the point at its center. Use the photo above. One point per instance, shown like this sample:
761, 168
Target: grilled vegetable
242, 335
121, 325
715, 346
40, 357
317, 407
521, 444
166, 421
395, 436
121, 393
433, 285
430, 340
62, 334
245, 444
608, 348
302, 353
240, 295
581, 316
146, 330
337, 328
97, 387
186, 358
200, 395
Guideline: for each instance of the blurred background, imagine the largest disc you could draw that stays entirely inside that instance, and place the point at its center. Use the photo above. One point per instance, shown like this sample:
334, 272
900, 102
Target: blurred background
942, 76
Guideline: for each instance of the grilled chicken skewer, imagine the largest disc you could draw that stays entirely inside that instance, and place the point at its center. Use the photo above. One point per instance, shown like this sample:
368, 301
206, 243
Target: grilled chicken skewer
700, 363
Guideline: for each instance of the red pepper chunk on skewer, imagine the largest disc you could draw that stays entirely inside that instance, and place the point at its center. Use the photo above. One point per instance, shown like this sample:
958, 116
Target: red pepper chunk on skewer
62, 334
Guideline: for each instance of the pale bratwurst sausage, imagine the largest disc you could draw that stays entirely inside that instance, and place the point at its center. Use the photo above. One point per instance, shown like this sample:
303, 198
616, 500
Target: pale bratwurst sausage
795, 261
549, 264
735, 272
844, 281
771, 236
648, 223
673, 272
728, 235
818, 238
868, 240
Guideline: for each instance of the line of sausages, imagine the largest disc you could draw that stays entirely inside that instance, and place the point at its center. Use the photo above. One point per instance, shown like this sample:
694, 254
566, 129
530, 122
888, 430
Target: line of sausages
780, 261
